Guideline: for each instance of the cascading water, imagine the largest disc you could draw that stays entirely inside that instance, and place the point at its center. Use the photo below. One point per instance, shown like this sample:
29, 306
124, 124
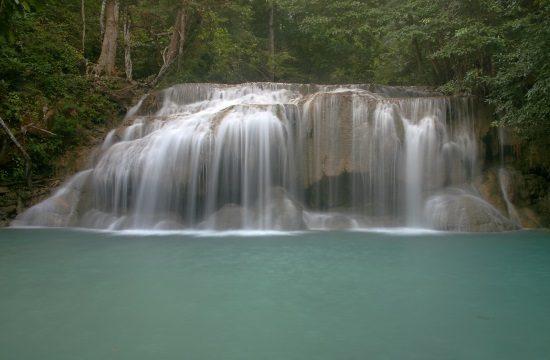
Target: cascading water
279, 156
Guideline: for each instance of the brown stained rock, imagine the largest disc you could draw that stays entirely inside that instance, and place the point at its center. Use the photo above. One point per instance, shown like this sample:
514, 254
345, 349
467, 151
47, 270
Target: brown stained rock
529, 218
487, 184
329, 146
498, 185
340, 138
509, 184
151, 104
219, 117
484, 116
466, 213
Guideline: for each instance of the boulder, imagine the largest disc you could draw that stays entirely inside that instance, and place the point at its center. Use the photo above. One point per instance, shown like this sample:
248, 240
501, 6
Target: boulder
228, 217
465, 212
35, 217
275, 210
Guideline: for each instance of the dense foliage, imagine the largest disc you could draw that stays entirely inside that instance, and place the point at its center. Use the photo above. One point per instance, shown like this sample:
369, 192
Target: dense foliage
491, 48
44, 90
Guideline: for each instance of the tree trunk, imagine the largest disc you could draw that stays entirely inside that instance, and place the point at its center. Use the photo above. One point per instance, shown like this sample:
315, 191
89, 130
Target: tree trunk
418, 53
102, 19
83, 12
106, 63
28, 163
127, 43
176, 44
271, 45
435, 67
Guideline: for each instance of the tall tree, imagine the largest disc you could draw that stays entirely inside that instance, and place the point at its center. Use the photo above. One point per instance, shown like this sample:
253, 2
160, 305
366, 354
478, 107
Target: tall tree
175, 48
127, 43
102, 18
83, 14
106, 63
271, 42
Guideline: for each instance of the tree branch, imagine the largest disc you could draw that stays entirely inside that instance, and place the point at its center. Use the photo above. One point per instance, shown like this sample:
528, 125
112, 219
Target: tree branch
27, 158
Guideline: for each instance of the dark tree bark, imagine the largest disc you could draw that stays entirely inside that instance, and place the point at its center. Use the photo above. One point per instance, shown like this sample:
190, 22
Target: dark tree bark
83, 13
271, 44
102, 19
175, 49
127, 43
106, 63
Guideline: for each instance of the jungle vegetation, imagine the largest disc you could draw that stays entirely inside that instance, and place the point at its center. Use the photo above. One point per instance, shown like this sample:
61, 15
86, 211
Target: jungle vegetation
62, 60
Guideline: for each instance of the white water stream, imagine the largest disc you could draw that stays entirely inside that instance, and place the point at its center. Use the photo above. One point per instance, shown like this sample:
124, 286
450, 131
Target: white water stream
277, 156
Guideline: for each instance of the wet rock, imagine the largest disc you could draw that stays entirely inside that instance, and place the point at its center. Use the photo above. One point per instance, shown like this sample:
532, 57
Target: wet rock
275, 210
329, 133
49, 219
329, 221
6, 213
510, 182
465, 212
60, 210
168, 225
164, 221
529, 218
151, 104
229, 217
453, 164
95, 219
488, 186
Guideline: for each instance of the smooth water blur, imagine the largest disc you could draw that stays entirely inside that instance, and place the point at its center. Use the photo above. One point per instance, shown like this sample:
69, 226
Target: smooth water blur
68, 294
220, 157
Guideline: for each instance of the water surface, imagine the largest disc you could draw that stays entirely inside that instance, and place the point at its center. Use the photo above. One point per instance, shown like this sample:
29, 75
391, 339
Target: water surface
70, 294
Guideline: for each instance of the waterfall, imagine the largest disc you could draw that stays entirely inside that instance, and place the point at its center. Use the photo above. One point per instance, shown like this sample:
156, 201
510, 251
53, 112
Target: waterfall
277, 156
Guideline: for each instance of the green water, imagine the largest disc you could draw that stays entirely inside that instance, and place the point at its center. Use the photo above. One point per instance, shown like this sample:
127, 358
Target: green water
67, 294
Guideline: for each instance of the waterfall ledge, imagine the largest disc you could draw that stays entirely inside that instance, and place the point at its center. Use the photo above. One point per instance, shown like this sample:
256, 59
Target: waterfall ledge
289, 157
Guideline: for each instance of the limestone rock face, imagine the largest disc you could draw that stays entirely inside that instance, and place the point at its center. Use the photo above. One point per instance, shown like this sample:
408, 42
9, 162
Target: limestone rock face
508, 191
60, 210
529, 218
463, 212
348, 132
385, 154
511, 185
515, 191
328, 119
453, 166
275, 210
488, 186
150, 104
229, 217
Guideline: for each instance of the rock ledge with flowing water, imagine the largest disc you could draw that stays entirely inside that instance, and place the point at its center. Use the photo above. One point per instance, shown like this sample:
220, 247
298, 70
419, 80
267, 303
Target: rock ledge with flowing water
287, 157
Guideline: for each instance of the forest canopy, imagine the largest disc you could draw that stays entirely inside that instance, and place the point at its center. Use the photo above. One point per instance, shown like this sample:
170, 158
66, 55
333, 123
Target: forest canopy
53, 52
